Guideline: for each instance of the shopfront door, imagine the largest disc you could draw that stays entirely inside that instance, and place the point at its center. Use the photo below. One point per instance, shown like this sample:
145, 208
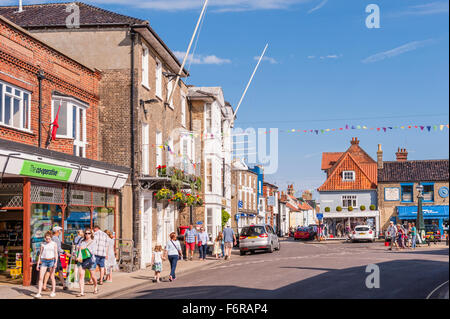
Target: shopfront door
146, 232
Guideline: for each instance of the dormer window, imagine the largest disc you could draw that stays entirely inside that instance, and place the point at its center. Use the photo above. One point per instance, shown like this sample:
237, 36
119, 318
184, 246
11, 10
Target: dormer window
348, 176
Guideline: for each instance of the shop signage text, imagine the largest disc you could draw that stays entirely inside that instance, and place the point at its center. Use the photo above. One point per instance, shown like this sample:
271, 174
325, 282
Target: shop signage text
46, 171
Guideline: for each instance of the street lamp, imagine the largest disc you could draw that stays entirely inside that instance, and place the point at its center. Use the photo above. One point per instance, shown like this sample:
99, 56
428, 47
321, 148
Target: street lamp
419, 221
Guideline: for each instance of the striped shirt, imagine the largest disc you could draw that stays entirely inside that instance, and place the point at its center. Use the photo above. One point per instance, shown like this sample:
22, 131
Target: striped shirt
100, 245
190, 235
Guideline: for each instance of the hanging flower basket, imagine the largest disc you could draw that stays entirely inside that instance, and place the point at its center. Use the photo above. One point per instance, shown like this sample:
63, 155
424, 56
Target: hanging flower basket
164, 194
179, 197
199, 201
190, 200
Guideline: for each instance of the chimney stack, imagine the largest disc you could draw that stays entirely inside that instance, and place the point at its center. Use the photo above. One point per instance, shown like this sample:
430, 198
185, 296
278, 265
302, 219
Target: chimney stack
354, 141
290, 190
402, 155
380, 157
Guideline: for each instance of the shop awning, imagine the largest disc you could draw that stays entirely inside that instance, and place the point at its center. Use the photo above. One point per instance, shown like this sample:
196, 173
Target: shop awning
20, 160
429, 212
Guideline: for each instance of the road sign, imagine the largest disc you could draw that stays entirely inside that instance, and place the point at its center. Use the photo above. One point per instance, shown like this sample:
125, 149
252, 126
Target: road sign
319, 216
240, 204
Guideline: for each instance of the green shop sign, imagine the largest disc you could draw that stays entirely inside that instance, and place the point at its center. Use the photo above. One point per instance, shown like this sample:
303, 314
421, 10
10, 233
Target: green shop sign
45, 171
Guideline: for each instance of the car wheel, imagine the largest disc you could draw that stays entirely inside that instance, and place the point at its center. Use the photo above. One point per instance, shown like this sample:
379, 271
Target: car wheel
279, 246
271, 249
242, 252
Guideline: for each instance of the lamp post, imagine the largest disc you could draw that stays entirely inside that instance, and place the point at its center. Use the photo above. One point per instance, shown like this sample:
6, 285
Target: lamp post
419, 221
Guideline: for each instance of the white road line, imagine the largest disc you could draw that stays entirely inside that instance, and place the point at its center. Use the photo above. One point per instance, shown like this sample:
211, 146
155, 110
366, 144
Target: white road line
431, 293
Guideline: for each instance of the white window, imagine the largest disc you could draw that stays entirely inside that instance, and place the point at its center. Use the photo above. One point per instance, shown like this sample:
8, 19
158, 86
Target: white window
208, 118
14, 107
240, 178
209, 176
145, 150
145, 57
169, 91
348, 175
349, 200
71, 121
209, 220
158, 79
183, 111
159, 150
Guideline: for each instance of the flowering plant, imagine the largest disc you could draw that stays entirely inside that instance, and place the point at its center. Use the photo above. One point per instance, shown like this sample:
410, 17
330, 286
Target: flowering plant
162, 170
179, 197
190, 199
163, 194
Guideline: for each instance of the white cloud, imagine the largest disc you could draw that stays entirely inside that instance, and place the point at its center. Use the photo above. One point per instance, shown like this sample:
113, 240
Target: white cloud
311, 57
411, 46
217, 5
201, 59
320, 5
426, 9
323, 57
266, 58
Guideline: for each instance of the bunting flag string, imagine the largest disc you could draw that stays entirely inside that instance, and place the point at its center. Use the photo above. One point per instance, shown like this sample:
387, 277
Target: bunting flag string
429, 128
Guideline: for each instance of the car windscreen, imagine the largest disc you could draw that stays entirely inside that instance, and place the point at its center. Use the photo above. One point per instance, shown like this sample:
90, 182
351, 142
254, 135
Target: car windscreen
362, 228
302, 229
253, 231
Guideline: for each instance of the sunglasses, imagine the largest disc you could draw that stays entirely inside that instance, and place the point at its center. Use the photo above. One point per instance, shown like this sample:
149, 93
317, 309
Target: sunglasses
87, 233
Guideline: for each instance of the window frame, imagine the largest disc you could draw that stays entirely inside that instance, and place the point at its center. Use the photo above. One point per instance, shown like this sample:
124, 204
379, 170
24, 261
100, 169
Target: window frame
352, 198
423, 193
412, 192
344, 179
209, 177
170, 83
145, 168
158, 79
159, 150
21, 99
145, 66
208, 118
183, 111
71, 104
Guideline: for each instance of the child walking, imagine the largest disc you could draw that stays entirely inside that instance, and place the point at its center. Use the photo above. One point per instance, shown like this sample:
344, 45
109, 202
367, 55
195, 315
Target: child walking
218, 245
157, 259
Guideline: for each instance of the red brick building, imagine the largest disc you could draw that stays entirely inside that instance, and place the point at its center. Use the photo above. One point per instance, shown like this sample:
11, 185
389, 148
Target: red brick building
46, 183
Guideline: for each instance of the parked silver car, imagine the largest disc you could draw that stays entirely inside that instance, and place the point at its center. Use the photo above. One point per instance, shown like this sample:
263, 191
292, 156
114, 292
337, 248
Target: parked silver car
258, 237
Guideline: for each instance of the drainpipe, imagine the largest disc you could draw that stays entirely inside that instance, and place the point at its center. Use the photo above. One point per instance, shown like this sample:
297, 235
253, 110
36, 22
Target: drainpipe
133, 165
40, 77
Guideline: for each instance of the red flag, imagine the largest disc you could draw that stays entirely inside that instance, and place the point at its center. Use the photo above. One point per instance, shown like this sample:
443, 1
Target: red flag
55, 124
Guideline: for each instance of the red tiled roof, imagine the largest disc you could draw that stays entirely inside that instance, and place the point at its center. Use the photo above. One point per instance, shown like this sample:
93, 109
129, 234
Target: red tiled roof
305, 206
329, 159
414, 171
292, 207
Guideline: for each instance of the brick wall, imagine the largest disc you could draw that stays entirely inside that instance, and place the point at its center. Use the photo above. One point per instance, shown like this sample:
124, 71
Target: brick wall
21, 57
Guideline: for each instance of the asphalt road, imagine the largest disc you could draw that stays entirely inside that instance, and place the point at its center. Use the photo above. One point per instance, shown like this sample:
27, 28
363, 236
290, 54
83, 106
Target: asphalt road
307, 270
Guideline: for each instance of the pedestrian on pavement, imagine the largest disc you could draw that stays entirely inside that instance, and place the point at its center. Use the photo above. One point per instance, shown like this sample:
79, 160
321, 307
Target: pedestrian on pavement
190, 239
173, 252
218, 245
157, 259
407, 235
80, 235
392, 234
57, 232
100, 246
85, 260
222, 245
48, 254
229, 239
76, 243
400, 238
413, 231
111, 262
203, 243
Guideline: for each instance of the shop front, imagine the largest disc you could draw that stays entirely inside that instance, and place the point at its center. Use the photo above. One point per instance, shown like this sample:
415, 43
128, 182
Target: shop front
436, 215
40, 192
339, 225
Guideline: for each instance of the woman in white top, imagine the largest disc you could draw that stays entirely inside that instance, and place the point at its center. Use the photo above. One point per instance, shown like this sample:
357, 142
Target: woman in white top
48, 255
111, 262
173, 252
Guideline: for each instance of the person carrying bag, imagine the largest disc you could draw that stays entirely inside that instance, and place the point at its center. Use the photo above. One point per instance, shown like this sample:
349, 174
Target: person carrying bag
173, 253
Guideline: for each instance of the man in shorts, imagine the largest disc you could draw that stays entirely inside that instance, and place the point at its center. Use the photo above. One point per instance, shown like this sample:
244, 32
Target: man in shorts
190, 239
229, 238
100, 247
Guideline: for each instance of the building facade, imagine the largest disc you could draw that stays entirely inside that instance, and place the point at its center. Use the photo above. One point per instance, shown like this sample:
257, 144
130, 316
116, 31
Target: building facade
398, 194
49, 179
139, 127
212, 119
348, 197
270, 192
244, 206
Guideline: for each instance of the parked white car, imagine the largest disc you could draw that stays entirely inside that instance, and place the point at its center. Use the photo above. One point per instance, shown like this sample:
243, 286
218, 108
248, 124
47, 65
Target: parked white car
363, 232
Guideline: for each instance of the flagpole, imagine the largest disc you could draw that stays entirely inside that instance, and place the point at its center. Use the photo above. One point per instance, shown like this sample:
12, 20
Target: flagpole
251, 78
187, 52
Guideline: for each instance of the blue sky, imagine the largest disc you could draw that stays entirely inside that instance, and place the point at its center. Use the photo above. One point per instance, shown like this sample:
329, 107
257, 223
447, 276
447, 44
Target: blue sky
325, 69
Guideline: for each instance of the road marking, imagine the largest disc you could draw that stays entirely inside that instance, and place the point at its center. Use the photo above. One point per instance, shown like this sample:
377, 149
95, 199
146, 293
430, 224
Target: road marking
431, 293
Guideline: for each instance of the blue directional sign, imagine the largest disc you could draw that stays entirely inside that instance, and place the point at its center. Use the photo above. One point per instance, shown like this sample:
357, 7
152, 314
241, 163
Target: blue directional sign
319, 216
240, 204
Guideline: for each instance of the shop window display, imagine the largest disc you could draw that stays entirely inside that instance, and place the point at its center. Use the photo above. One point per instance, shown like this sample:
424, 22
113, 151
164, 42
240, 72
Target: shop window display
76, 218
11, 245
104, 218
43, 218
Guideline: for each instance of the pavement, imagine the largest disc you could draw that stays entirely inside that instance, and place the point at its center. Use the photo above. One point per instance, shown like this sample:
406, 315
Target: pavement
326, 269
121, 281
